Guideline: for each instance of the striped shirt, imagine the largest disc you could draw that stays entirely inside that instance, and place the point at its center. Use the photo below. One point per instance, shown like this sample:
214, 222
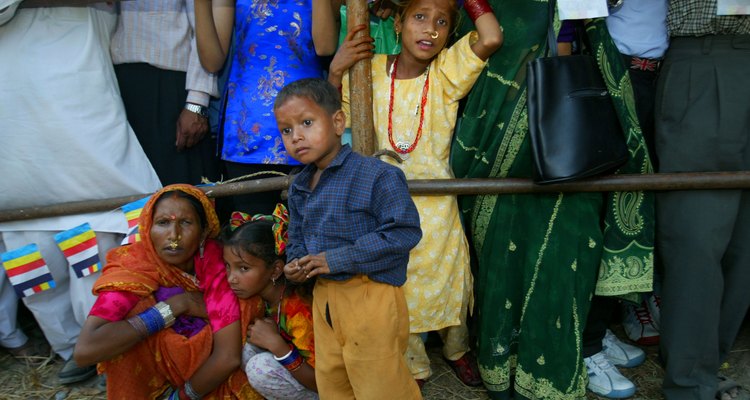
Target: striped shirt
360, 214
161, 33
698, 18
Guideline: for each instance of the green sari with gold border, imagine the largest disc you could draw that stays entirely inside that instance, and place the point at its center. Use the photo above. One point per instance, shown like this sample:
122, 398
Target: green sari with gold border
538, 255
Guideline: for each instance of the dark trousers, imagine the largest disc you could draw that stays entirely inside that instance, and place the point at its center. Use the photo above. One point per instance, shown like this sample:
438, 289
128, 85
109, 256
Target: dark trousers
644, 90
702, 124
602, 312
154, 99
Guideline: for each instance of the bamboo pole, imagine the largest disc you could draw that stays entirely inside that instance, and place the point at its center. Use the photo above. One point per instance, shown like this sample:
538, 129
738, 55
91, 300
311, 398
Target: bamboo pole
360, 84
611, 183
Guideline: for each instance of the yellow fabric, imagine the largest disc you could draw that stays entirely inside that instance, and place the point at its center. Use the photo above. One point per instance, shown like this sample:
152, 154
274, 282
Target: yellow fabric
361, 355
455, 345
439, 281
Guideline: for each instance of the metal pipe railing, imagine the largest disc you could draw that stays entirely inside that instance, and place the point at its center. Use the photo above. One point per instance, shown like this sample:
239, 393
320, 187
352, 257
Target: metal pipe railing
610, 183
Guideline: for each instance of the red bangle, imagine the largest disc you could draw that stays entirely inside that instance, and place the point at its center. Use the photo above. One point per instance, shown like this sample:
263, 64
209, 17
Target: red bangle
476, 8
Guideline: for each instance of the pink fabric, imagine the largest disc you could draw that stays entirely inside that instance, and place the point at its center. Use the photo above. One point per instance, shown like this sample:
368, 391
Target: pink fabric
222, 305
114, 306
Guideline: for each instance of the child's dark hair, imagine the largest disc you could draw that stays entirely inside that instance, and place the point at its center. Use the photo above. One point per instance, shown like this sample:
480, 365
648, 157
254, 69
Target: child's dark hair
318, 90
254, 238
257, 239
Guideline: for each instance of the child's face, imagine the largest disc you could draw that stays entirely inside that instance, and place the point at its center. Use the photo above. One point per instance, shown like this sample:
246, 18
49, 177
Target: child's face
247, 275
310, 133
425, 26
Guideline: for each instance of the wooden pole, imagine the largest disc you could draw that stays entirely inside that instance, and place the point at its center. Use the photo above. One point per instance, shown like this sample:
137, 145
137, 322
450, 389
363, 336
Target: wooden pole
360, 84
611, 183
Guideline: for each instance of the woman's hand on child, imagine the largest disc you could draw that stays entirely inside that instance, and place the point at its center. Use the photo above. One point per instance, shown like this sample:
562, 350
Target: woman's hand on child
293, 272
350, 52
188, 303
264, 333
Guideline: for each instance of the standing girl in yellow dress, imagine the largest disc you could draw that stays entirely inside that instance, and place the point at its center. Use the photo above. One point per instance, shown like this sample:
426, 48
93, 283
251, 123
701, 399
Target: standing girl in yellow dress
414, 109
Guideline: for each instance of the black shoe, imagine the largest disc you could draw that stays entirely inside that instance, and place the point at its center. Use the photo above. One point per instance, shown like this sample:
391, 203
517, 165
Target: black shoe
72, 373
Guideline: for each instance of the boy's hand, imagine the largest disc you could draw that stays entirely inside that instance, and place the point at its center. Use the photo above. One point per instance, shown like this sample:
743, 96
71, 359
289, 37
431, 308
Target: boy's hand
383, 8
314, 265
351, 51
293, 271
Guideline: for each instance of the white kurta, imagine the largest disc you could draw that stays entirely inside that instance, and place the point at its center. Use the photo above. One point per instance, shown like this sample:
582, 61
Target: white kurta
63, 131
63, 137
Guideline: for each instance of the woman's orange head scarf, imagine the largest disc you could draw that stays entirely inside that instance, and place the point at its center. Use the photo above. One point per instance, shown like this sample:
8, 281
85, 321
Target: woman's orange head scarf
146, 219
137, 268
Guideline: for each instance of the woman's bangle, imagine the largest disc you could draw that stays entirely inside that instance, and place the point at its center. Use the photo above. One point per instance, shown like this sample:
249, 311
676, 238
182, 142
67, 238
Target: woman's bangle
190, 392
137, 323
297, 364
291, 349
152, 319
292, 361
477, 8
166, 313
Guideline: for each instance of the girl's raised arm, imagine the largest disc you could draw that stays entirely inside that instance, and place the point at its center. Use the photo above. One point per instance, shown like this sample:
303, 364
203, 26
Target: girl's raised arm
214, 22
325, 26
489, 30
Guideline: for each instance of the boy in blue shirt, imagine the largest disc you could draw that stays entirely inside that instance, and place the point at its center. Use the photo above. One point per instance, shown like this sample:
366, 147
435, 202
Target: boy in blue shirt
352, 225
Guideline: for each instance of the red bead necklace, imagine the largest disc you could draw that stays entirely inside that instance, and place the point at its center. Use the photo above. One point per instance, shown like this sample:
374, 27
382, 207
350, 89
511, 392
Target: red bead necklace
401, 148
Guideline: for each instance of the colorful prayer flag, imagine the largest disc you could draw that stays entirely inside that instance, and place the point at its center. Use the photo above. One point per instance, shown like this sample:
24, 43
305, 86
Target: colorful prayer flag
27, 270
80, 248
132, 213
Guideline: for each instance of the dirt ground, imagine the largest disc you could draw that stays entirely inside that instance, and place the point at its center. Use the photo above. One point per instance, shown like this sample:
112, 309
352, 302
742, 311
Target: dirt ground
20, 382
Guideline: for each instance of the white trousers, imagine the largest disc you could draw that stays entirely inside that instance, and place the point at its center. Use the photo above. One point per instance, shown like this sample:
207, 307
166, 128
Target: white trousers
60, 311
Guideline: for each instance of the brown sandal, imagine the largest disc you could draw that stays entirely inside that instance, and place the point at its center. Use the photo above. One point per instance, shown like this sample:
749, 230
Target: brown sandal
29, 352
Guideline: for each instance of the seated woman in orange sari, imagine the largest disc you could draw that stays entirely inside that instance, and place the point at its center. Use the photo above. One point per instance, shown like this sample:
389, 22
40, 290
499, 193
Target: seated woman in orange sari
148, 329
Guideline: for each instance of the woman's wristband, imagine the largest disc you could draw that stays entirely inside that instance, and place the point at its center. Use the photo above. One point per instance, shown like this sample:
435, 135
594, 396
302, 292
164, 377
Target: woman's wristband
477, 8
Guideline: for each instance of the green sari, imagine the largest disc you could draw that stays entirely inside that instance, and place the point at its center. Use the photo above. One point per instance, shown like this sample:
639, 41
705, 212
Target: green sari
538, 255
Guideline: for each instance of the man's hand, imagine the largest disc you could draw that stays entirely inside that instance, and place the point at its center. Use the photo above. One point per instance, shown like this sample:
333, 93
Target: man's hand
191, 128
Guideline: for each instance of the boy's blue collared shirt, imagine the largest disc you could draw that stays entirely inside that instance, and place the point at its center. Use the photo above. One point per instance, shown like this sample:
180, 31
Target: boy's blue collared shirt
360, 214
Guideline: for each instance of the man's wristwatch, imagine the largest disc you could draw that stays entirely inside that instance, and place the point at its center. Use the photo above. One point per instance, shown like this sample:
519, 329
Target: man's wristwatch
198, 109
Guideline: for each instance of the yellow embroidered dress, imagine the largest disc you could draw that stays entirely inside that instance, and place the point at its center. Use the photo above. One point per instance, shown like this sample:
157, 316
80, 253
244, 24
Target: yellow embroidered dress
439, 281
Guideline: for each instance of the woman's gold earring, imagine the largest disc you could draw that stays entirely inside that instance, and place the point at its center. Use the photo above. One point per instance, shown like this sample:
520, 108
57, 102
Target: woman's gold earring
398, 39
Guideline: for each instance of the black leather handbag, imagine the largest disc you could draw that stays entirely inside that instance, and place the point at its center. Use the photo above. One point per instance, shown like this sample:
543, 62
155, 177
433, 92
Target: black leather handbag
573, 125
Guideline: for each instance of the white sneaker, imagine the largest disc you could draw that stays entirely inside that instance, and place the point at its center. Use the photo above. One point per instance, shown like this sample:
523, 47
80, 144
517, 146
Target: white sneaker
621, 354
605, 380
639, 325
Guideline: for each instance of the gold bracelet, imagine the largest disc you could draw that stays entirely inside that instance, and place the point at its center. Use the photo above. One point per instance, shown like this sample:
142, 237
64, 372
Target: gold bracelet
166, 313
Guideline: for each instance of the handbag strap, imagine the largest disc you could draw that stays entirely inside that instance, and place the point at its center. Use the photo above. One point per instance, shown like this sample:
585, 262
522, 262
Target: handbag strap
551, 38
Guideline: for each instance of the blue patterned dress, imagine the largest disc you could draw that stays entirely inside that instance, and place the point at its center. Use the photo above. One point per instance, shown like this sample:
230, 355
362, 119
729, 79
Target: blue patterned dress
273, 47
